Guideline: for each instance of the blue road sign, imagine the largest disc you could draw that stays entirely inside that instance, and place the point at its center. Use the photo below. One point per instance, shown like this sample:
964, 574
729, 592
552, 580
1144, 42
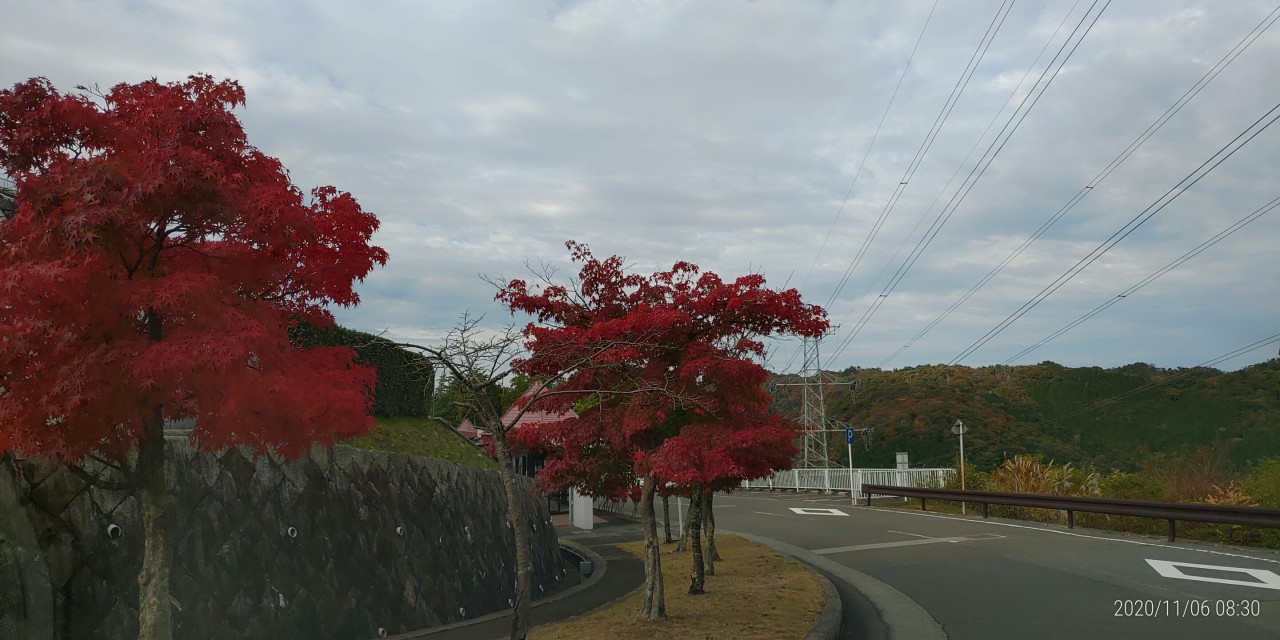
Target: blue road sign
848, 435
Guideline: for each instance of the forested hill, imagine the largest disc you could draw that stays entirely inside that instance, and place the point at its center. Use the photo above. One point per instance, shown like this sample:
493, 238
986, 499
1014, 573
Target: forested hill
1106, 418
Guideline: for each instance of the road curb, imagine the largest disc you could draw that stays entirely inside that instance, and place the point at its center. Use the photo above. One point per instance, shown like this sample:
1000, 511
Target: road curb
827, 626
599, 567
903, 617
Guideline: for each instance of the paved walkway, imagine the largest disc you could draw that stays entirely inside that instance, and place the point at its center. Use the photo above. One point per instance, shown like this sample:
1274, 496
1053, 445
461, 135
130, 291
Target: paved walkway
623, 573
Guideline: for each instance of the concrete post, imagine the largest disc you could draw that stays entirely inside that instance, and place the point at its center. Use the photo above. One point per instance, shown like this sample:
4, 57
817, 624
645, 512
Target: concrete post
581, 512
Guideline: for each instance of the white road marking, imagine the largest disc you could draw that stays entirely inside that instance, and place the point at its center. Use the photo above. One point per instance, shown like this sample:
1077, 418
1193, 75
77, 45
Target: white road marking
883, 545
1072, 534
1264, 579
818, 512
918, 535
900, 543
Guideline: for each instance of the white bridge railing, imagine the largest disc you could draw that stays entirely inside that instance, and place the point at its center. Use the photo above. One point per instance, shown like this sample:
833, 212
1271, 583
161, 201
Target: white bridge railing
843, 480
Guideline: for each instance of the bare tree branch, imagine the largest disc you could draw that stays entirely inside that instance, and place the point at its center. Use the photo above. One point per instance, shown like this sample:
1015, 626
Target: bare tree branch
480, 364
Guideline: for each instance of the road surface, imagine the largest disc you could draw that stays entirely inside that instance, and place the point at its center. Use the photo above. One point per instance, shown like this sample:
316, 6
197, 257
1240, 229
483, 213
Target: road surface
990, 579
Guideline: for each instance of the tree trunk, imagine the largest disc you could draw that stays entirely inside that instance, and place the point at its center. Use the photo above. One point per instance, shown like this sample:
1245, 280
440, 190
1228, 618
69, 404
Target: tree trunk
698, 579
666, 518
710, 519
523, 600
684, 533
154, 609
708, 551
654, 606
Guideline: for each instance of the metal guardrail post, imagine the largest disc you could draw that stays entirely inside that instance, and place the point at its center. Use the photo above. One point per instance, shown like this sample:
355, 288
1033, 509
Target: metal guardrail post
1071, 519
986, 507
1173, 530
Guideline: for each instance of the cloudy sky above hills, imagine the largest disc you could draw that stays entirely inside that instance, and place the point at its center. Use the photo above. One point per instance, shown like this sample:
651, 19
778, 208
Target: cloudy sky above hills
485, 134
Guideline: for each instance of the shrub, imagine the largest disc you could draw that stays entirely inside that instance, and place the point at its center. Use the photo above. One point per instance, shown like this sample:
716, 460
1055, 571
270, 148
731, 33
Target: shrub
404, 377
1030, 474
1264, 483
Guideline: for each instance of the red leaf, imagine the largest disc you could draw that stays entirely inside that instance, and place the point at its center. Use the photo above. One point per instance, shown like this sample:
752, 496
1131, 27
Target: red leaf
670, 355
160, 264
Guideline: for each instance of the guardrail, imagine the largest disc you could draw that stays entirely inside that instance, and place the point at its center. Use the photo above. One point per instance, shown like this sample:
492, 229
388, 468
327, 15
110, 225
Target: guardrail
1171, 511
843, 480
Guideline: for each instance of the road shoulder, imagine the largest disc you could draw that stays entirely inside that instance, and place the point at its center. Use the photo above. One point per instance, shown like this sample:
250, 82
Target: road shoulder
902, 617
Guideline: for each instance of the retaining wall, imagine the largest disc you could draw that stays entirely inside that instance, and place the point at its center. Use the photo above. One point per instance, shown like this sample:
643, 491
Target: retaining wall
337, 544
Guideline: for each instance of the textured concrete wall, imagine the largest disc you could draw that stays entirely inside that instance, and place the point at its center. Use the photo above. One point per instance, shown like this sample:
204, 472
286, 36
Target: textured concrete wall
333, 545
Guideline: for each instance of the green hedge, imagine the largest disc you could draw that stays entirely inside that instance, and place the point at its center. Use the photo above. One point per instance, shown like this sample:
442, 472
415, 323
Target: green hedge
404, 377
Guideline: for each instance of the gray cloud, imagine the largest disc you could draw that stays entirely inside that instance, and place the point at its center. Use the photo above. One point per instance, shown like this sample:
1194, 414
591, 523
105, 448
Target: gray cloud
486, 134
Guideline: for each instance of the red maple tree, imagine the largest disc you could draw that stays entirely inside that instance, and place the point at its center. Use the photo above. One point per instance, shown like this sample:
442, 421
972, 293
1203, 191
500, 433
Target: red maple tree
149, 271
686, 342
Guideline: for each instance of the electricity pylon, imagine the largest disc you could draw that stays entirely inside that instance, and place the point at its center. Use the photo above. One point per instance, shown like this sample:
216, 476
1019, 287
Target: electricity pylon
813, 412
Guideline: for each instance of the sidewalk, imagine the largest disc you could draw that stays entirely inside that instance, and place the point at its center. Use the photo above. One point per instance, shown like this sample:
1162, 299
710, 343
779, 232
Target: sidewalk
621, 573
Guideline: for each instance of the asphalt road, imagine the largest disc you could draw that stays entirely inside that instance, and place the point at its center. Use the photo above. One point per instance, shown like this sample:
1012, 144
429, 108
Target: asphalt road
992, 579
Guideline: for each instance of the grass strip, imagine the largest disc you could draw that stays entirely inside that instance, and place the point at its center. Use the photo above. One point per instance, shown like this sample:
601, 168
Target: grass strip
421, 437
756, 594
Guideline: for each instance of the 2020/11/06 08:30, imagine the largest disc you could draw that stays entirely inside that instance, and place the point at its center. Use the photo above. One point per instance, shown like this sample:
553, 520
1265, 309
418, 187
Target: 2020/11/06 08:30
1187, 608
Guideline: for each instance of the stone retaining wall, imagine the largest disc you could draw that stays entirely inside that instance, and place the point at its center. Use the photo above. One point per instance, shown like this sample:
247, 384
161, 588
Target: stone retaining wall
338, 544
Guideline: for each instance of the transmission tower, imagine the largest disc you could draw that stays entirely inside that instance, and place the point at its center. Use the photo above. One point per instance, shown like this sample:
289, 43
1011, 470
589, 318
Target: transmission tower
813, 416
813, 412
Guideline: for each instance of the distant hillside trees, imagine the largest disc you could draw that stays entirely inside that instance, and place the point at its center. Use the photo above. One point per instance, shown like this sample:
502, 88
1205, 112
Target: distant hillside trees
1104, 418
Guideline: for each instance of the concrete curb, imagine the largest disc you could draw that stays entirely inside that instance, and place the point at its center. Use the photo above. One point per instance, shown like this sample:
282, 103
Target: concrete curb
827, 626
903, 617
599, 568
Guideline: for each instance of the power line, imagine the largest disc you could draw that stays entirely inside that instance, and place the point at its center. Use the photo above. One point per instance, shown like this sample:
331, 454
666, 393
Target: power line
1222, 235
976, 143
962, 82
979, 169
1002, 138
862, 163
1133, 146
1213, 362
1237, 143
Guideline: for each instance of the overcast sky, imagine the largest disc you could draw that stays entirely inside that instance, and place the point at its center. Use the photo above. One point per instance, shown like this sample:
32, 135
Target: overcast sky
485, 134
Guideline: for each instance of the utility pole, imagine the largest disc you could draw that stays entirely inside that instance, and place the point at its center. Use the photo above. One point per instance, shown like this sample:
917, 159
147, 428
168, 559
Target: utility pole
959, 430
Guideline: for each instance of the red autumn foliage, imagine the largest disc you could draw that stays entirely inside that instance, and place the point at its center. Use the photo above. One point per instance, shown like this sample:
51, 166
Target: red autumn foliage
154, 262
686, 400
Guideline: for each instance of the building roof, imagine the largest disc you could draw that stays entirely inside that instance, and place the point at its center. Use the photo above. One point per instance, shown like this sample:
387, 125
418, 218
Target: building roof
534, 415
470, 431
